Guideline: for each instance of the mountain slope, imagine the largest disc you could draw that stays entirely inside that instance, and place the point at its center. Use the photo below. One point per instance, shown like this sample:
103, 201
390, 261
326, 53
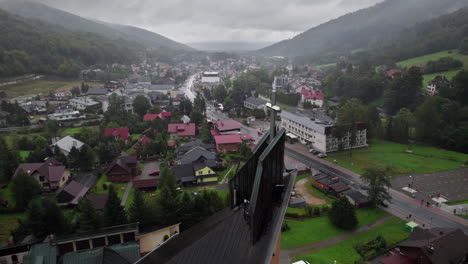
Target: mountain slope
358, 29
32, 46
72, 22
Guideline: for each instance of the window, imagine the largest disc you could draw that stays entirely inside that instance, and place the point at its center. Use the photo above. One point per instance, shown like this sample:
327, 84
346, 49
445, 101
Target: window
41, 178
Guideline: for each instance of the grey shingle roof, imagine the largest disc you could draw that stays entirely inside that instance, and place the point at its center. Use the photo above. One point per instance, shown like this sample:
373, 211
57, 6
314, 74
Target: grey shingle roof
195, 154
315, 120
255, 101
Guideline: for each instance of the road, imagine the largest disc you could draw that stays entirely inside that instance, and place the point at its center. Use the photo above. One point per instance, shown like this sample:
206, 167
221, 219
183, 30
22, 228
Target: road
401, 205
188, 88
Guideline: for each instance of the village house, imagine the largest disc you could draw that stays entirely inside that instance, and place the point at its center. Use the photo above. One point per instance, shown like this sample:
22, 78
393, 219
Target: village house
81, 103
430, 246
94, 91
315, 128
64, 113
71, 193
204, 173
314, 97
163, 116
184, 174
66, 144
142, 142
437, 83
51, 174
181, 130
226, 126
123, 169
145, 184
254, 103
228, 143
118, 133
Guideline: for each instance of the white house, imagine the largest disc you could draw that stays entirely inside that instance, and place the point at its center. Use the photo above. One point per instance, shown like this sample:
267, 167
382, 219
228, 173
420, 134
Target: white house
81, 103
66, 144
315, 97
210, 77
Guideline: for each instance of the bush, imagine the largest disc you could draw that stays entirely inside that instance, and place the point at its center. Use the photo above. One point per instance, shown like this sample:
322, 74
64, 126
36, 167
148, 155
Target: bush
285, 227
317, 210
308, 210
104, 186
343, 214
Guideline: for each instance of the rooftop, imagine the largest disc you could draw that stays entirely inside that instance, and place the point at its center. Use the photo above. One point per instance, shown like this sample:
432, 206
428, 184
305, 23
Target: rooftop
226, 125
228, 139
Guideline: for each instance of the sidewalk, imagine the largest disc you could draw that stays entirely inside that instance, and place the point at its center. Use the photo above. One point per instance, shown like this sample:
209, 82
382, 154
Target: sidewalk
126, 193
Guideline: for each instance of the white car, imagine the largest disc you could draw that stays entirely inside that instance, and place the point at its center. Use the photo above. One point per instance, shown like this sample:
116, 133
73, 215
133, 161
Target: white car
322, 155
301, 262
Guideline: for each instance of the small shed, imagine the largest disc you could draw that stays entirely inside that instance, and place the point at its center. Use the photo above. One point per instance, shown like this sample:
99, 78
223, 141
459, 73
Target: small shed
296, 202
410, 226
145, 184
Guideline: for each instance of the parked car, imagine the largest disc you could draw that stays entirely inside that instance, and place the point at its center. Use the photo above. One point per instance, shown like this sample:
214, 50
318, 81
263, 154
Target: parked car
313, 151
154, 173
301, 262
322, 155
384, 204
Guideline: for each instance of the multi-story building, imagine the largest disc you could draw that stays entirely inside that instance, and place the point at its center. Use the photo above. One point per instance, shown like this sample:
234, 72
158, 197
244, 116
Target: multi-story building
81, 103
315, 128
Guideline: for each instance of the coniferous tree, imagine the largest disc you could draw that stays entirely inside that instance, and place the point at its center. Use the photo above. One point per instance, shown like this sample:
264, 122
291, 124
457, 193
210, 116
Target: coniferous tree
24, 189
88, 217
54, 220
185, 211
139, 210
167, 200
114, 213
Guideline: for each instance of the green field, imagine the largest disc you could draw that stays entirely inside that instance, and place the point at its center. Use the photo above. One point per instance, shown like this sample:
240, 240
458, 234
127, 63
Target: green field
317, 229
458, 202
39, 86
9, 223
344, 253
429, 77
424, 159
98, 188
325, 65
434, 56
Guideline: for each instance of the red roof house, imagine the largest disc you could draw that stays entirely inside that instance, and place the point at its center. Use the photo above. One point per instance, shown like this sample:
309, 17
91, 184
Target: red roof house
227, 126
142, 142
121, 133
228, 143
315, 97
181, 130
163, 116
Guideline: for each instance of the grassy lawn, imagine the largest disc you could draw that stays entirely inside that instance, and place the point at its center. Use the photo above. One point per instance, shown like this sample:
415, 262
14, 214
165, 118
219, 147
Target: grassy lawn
7, 193
222, 173
457, 202
429, 77
318, 194
136, 137
40, 86
98, 188
131, 195
302, 176
435, 56
24, 154
424, 159
9, 223
392, 230
318, 229
76, 130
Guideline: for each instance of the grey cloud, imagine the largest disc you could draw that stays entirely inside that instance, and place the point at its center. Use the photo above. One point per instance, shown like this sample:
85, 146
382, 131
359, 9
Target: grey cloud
214, 20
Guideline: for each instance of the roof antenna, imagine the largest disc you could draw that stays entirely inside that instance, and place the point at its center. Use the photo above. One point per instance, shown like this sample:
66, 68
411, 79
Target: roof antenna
273, 109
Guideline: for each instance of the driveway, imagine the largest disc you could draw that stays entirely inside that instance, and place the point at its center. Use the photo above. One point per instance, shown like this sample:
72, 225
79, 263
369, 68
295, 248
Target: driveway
147, 169
301, 187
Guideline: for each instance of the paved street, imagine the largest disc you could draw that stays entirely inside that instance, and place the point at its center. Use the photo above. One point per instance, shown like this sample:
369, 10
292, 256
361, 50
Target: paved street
401, 204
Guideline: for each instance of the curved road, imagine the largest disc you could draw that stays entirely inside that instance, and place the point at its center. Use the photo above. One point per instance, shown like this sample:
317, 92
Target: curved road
401, 205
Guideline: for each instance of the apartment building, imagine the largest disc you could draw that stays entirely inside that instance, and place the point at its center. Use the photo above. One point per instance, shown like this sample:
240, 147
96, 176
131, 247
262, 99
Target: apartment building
315, 128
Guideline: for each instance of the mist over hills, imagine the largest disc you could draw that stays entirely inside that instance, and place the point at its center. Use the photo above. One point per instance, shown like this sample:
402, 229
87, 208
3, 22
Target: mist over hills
358, 29
53, 16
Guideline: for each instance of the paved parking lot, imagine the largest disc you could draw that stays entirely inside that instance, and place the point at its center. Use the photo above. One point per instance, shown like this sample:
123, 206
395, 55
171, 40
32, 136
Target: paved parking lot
147, 169
452, 185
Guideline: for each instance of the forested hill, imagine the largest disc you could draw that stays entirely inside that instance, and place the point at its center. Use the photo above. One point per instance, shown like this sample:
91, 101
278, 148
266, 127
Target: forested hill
30, 46
356, 30
71, 22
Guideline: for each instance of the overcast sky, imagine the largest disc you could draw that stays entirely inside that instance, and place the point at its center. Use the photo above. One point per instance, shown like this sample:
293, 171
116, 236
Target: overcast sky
215, 20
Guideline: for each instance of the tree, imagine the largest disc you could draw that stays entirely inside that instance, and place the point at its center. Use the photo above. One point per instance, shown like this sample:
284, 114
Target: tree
196, 117
52, 127
167, 199
88, 217
343, 214
53, 217
245, 151
403, 91
205, 134
114, 213
228, 103
141, 105
463, 46
186, 106
199, 103
460, 83
84, 87
378, 183
139, 210
75, 91
85, 158
24, 189
9, 160
402, 123
219, 93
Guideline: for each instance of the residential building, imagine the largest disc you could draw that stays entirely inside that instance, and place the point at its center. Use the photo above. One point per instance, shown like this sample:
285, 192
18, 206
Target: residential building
32, 108
123, 169
314, 97
281, 83
196, 154
142, 142
254, 103
431, 246
357, 198
81, 103
3, 118
437, 83
93, 91
181, 130
112, 85
315, 128
64, 113
228, 143
51, 174
163, 116
226, 126
145, 184
151, 240
71, 193
204, 173
119, 253
210, 77
184, 174
118, 133
66, 144
193, 144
